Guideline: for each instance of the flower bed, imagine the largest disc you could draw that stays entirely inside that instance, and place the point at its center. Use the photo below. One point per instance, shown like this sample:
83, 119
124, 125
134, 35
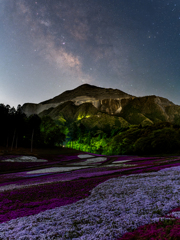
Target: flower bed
107, 220
32, 200
166, 229
84, 206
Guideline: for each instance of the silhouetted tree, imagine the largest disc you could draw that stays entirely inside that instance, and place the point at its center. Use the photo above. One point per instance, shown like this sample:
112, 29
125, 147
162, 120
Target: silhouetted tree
20, 123
34, 122
7, 124
12, 112
3, 122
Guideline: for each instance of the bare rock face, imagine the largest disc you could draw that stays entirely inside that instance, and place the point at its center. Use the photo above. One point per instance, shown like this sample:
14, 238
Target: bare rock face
88, 102
32, 108
104, 99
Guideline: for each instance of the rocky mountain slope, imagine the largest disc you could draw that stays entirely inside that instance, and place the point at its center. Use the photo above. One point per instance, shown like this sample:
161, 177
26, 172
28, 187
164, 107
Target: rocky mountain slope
95, 106
104, 99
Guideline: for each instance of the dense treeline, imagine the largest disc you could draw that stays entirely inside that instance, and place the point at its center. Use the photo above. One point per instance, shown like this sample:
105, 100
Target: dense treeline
16, 129
159, 138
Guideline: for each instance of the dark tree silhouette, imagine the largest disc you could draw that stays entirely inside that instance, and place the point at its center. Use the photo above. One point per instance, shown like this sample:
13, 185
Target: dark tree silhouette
12, 115
34, 125
3, 122
20, 123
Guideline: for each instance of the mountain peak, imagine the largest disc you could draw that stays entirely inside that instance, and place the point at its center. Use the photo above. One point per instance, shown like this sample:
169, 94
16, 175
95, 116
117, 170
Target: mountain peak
84, 93
90, 91
87, 86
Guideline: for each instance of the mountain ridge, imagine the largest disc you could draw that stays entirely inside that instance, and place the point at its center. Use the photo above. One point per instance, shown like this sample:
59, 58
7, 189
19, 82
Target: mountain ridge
82, 94
88, 90
87, 101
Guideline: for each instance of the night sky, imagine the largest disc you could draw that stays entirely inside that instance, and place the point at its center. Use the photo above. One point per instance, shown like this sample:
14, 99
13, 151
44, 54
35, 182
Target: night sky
50, 46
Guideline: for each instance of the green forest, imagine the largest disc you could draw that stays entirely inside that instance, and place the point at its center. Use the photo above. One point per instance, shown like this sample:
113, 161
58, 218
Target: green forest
18, 130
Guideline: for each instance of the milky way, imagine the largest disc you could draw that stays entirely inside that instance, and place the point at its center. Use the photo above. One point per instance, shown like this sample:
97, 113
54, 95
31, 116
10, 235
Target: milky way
50, 46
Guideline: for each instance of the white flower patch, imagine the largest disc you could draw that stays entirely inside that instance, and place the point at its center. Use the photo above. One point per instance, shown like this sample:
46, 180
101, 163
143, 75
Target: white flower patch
25, 159
161, 219
12, 187
7, 187
8, 160
174, 214
54, 169
85, 156
96, 160
123, 161
120, 165
28, 158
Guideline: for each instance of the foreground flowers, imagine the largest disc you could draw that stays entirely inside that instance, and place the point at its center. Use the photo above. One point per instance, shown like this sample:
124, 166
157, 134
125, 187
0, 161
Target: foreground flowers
114, 207
166, 229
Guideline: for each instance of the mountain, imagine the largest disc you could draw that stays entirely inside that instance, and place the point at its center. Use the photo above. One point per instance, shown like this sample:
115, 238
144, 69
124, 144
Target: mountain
96, 106
104, 99
150, 109
87, 92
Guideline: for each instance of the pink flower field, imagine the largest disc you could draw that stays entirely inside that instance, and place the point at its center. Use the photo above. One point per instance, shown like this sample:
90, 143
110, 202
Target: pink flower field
89, 196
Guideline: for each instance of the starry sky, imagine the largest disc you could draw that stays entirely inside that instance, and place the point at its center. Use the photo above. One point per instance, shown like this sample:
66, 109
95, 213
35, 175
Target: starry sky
50, 46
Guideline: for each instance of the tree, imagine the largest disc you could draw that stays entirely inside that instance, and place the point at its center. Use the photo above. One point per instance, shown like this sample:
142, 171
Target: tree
107, 129
20, 119
12, 112
34, 122
165, 140
74, 131
143, 145
54, 137
51, 132
114, 131
3, 122
89, 137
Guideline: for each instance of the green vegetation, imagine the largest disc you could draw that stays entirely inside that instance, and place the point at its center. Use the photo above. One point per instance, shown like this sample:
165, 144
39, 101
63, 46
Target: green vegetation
99, 133
155, 139
159, 138
52, 132
103, 121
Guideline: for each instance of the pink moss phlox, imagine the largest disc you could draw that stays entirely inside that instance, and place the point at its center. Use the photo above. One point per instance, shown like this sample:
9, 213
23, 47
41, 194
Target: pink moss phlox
62, 158
33, 200
169, 230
